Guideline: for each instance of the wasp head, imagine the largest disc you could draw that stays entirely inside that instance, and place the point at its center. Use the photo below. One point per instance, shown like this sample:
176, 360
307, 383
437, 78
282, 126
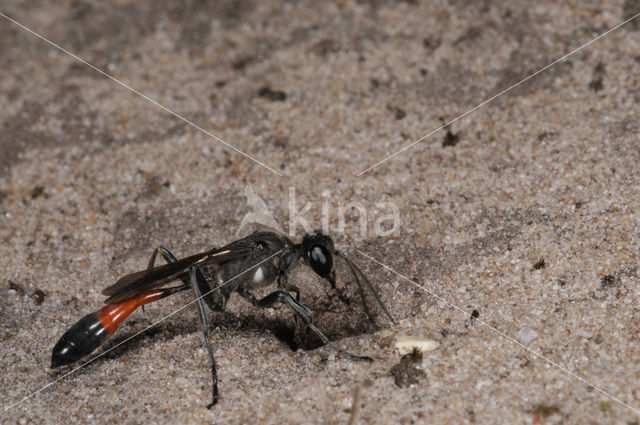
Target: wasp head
317, 253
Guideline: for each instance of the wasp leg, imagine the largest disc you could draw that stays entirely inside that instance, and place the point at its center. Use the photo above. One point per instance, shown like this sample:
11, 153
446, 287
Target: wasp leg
283, 282
301, 311
169, 258
167, 255
199, 284
300, 330
216, 300
197, 281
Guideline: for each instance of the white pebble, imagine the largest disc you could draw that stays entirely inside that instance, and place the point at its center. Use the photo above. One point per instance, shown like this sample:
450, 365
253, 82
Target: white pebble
406, 344
526, 335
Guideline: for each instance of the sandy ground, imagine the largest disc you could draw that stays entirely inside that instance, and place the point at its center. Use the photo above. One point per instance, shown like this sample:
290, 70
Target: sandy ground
526, 211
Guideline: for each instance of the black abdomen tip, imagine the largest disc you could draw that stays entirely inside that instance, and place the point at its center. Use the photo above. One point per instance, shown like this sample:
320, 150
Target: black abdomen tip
81, 339
64, 353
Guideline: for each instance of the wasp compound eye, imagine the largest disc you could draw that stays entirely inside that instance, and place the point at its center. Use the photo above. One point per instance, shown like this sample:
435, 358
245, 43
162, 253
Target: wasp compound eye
320, 260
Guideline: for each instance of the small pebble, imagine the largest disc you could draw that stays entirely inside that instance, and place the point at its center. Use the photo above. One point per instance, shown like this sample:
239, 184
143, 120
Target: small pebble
406, 344
526, 335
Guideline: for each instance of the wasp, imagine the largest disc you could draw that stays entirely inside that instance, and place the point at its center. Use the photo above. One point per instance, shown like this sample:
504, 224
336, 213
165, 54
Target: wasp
258, 260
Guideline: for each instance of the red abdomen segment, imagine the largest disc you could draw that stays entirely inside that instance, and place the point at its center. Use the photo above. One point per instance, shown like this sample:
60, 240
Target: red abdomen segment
92, 330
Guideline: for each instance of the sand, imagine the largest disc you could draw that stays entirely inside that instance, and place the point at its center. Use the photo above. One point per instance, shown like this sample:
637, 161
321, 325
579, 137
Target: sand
525, 212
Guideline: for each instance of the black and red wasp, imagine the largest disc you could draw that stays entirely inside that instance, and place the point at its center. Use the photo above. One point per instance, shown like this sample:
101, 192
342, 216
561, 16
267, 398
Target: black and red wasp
255, 261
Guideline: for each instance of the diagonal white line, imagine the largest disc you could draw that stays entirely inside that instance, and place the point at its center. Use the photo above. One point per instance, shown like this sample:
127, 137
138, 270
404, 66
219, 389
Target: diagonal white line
504, 335
175, 114
135, 335
496, 96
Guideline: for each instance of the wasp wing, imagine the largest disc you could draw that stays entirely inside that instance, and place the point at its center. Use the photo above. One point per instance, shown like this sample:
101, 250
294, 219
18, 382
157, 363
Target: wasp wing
132, 285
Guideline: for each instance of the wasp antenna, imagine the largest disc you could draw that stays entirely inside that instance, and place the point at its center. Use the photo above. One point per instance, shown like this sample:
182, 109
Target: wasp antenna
356, 271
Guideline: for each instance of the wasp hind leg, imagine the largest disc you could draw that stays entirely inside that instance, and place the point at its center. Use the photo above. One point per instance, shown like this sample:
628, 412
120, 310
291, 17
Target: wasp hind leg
197, 279
216, 300
201, 289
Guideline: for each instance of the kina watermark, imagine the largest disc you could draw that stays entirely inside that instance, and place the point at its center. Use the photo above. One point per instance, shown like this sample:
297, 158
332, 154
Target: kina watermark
358, 219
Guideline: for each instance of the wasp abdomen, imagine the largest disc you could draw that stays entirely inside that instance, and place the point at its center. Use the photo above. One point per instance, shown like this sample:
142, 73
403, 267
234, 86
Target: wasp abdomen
92, 330
81, 339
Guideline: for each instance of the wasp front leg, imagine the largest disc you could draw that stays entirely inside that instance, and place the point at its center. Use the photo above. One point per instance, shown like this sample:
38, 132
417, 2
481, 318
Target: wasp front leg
300, 330
299, 311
